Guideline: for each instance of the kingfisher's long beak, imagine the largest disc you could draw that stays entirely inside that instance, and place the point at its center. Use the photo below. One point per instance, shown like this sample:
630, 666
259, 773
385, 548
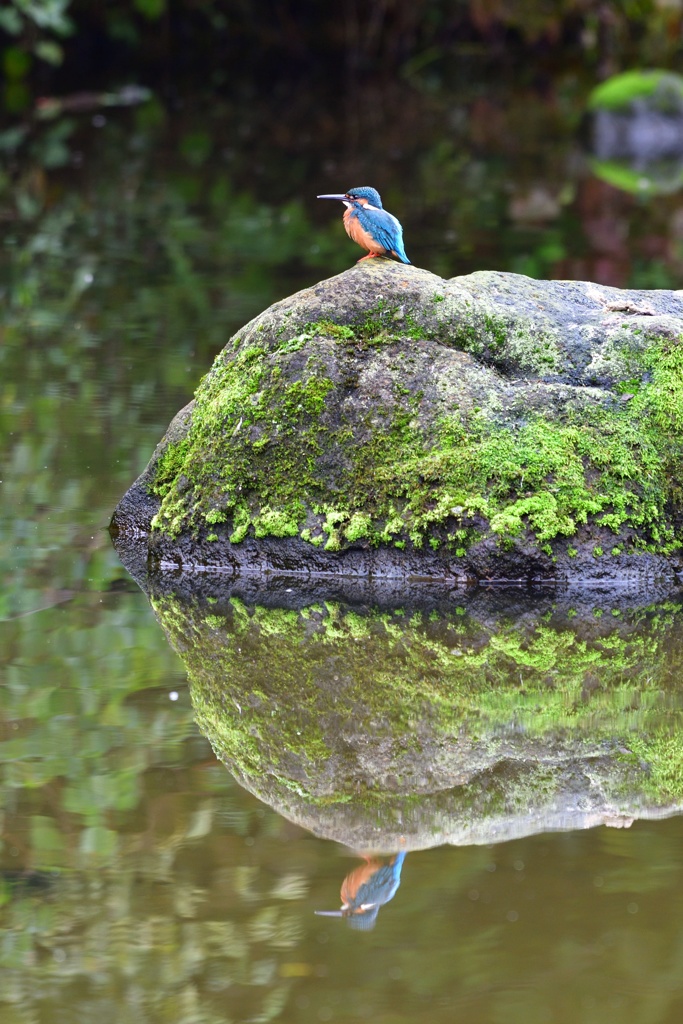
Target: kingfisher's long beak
335, 196
328, 913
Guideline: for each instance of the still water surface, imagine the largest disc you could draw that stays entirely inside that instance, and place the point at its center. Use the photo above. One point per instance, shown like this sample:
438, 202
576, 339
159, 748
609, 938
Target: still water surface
139, 880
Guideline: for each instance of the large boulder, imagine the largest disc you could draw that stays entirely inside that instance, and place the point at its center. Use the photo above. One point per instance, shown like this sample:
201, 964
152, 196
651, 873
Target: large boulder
386, 421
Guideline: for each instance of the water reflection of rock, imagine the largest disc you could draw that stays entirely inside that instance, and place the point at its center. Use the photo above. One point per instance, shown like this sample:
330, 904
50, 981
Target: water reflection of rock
460, 718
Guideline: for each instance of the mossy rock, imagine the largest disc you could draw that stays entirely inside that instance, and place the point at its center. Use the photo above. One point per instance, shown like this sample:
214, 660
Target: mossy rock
386, 421
413, 726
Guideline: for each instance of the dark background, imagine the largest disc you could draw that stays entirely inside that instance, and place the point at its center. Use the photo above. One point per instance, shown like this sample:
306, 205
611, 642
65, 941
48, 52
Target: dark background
469, 116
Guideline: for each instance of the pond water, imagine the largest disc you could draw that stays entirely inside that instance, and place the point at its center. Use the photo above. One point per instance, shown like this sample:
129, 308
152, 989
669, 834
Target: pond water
523, 752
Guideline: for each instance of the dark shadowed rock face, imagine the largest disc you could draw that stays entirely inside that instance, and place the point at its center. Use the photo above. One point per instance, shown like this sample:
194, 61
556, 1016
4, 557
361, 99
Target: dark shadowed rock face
388, 422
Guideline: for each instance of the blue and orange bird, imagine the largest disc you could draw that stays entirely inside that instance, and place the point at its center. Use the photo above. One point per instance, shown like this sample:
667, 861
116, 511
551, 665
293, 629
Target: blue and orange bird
366, 889
368, 224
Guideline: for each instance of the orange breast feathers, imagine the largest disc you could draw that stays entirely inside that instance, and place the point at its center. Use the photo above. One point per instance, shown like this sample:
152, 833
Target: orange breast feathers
359, 235
359, 876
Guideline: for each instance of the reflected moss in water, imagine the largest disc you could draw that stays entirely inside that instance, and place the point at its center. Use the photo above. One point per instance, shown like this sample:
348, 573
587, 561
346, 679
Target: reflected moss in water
461, 725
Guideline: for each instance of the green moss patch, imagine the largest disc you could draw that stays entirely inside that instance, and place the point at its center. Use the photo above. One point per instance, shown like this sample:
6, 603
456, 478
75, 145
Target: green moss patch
333, 440
542, 418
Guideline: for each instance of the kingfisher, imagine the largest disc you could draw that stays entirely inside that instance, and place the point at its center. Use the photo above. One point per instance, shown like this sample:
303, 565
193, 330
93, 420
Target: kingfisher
366, 889
371, 226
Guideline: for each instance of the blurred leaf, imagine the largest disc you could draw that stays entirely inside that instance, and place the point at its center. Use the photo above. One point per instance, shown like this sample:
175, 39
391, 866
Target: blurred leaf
16, 62
51, 147
99, 841
196, 147
45, 838
47, 14
17, 97
620, 90
10, 21
12, 138
49, 51
151, 9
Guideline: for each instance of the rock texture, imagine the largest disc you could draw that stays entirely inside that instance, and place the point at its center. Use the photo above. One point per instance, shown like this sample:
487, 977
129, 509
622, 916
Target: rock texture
404, 727
388, 422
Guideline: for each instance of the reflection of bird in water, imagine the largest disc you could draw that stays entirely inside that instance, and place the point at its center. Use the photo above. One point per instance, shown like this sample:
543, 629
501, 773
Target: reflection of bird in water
366, 889
369, 225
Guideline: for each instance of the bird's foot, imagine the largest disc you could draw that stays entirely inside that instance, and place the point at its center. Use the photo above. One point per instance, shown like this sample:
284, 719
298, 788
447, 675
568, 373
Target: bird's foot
369, 256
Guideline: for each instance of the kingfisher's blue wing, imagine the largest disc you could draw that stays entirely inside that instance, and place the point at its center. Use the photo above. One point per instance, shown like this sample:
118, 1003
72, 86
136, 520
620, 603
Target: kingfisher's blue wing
382, 885
385, 229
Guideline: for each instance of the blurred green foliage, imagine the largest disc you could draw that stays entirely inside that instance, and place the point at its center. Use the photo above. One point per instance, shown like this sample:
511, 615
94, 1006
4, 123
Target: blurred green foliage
125, 872
621, 90
93, 287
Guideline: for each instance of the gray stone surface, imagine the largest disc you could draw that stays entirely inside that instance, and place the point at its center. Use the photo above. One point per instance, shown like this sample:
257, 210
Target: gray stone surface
493, 353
